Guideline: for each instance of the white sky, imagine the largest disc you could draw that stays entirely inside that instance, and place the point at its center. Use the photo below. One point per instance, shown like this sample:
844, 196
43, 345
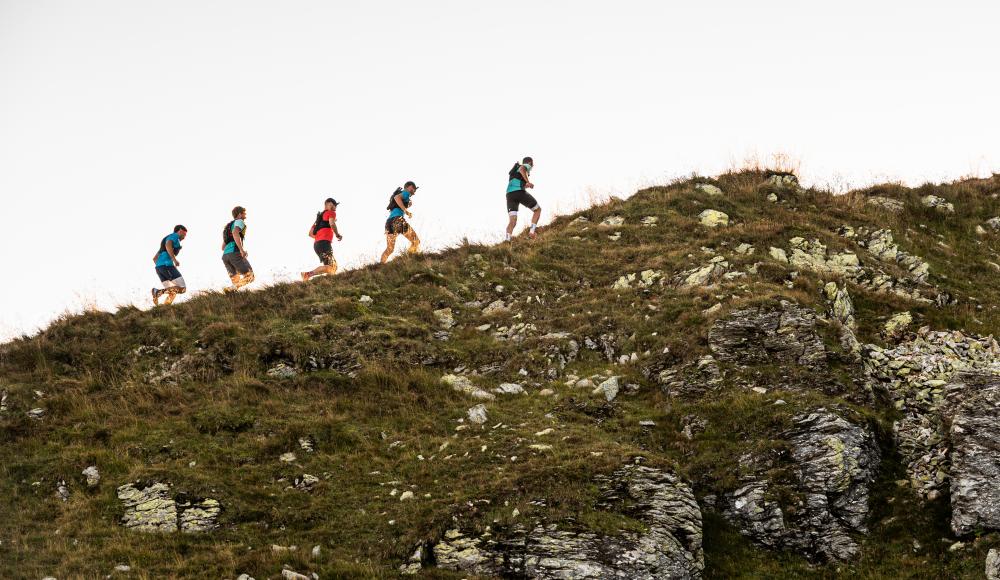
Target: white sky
119, 119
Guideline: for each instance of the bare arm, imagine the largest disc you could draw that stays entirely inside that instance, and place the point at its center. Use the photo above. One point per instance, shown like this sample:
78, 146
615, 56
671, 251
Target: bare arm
402, 205
170, 252
333, 226
238, 238
524, 178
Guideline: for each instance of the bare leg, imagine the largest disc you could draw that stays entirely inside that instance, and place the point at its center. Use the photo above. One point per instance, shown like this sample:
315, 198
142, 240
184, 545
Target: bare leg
535, 215
321, 270
414, 241
172, 293
390, 245
510, 225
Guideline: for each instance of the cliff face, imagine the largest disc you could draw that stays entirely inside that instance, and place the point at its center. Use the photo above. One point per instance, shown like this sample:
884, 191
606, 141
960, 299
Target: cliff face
719, 378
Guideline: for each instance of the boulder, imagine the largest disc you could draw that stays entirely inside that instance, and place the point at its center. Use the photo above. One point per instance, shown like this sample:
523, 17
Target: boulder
613, 221
463, 385
993, 564
152, 508
669, 546
704, 275
975, 460
938, 203
477, 414
761, 334
445, 317
885, 203
711, 218
708, 189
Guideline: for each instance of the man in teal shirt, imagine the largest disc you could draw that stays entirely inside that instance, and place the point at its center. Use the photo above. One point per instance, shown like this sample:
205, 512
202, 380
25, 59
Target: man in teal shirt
399, 205
234, 256
166, 264
517, 196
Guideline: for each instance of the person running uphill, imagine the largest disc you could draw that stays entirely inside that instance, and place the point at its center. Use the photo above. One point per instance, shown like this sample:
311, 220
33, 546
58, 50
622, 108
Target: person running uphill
516, 195
166, 263
322, 231
234, 255
396, 224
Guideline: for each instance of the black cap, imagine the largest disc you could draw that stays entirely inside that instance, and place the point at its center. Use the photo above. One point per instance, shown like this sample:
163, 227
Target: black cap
409, 183
331, 200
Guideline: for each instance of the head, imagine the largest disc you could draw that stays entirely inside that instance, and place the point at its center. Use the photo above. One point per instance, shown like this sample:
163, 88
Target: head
410, 187
239, 213
330, 204
181, 231
528, 161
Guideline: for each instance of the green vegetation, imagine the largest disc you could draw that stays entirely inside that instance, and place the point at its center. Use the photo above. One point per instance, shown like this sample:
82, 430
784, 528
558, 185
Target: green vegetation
182, 395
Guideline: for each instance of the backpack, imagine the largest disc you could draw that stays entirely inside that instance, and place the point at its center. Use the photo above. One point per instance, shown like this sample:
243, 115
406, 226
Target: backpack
163, 245
392, 200
227, 234
321, 224
515, 172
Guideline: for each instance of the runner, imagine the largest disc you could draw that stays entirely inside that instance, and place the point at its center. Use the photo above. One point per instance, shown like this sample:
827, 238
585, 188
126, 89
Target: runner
322, 232
234, 255
396, 224
516, 195
166, 267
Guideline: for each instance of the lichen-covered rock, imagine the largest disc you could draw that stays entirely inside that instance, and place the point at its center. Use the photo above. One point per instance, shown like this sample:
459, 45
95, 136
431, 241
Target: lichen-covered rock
938, 203
711, 218
880, 244
669, 547
842, 310
93, 476
784, 181
708, 189
786, 333
975, 453
444, 317
705, 275
151, 508
993, 564
463, 385
886, 203
812, 255
612, 221
835, 464
897, 325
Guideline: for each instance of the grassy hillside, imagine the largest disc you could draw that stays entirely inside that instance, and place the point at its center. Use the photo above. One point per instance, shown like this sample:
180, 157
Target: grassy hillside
195, 395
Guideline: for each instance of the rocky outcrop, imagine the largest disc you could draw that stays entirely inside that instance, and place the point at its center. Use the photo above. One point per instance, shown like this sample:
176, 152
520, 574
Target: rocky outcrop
705, 275
835, 463
938, 203
152, 508
887, 203
880, 244
914, 374
669, 547
974, 436
762, 334
711, 218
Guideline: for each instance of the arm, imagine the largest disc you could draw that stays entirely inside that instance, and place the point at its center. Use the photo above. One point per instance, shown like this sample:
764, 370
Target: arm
311, 233
524, 178
238, 239
170, 252
402, 205
336, 232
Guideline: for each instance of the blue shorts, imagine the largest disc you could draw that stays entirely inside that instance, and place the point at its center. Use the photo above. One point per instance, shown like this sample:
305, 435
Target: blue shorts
168, 273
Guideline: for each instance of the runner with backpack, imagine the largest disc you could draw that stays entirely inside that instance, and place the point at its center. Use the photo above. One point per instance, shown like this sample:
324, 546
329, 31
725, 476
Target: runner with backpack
166, 264
234, 256
398, 206
517, 183
322, 231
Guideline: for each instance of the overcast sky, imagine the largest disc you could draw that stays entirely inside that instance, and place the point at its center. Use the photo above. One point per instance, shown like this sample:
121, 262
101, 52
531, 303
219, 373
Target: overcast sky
120, 119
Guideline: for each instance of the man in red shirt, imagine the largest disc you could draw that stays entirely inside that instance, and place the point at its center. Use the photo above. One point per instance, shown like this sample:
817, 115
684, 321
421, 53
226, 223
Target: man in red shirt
322, 231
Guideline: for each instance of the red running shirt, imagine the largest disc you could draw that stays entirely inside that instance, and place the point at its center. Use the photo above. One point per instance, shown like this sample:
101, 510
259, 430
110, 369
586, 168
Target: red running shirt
326, 233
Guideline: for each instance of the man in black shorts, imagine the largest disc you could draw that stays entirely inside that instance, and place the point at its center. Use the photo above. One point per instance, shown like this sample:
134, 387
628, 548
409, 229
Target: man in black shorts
234, 256
323, 231
166, 263
399, 205
516, 196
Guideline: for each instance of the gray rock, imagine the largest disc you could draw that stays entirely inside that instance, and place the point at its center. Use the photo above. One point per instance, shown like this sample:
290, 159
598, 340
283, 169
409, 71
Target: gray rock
613, 221
445, 317
754, 335
784, 181
282, 371
975, 462
608, 389
62, 491
3, 402
897, 325
938, 203
994, 223
306, 482
464, 385
885, 203
708, 189
36, 413
293, 575
365, 299
151, 508
495, 307
477, 414
509, 389
704, 275
711, 218
993, 564
93, 476
669, 547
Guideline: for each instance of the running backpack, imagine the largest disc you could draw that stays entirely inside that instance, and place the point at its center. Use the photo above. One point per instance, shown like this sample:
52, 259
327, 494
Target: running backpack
321, 224
515, 172
392, 200
227, 234
163, 246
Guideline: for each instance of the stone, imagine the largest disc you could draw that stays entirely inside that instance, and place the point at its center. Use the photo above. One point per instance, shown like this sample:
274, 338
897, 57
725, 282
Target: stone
745, 249
615, 236
509, 389
151, 508
414, 563
444, 317
649, 221
975, 463
477, 414
761, 334
3, 402
706, 275
463, 385
885, 203
772, 197
711, 218
613, 221
123, 568
896, 326
668, 546
93, 476
993, 223
282, 371
62, 491
784, 181
778, 254
495, 307
608, 389
36, 413
938, 203
244, 577
406, 496
316, 551
708, 189
293, 575
993, 564
288, 457
306, 482
365, 299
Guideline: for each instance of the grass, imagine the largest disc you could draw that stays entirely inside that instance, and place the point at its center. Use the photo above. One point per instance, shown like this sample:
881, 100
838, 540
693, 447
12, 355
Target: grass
381, 420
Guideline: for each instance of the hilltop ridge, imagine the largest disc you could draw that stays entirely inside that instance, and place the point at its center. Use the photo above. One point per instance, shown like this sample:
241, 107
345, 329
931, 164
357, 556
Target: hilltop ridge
729, 377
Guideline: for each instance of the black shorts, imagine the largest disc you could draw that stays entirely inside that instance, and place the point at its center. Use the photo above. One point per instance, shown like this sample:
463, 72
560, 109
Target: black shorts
396, 225
520, 197
168, 273
324, 249
236, 264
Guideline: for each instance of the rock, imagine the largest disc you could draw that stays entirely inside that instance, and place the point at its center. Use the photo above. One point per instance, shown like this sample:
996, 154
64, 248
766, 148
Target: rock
756, 335
444, 317
288, 457
148, 509
509, 389
993, 223
745, 249
585, 384
784, 181
244, 577
647, 423
3, 402
365, 299
406, 496
316, 551
706, 275
615, 236
307, 443
778, 254
975, 463
62, 491
93, 476
198, 515
293, 575
613, 221
624, 282
414, 563
993, 564
842, 310
540, 446
495, 307
669, 546
484, 327
306, 482
759, 390
282, 371
885, 203
896, 326
464, 385
772, 197
711, 218
835, 465
708, 189
608, 389
649, 221
36, 413
712, 309
123, 568
477, 414
938, 203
